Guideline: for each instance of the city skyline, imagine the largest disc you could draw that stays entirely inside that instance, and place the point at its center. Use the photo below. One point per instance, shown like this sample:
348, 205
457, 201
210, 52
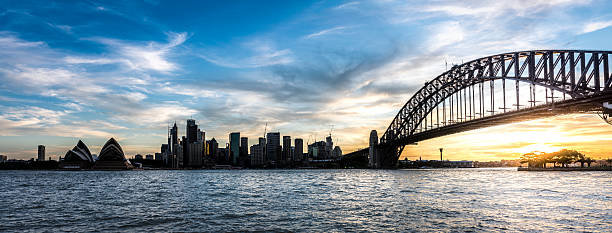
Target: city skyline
131, 69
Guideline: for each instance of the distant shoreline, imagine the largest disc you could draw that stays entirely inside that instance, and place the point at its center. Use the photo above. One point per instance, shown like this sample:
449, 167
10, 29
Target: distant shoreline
565, 169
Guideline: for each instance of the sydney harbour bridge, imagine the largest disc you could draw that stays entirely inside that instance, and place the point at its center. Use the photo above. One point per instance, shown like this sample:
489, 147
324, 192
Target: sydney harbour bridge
495, 90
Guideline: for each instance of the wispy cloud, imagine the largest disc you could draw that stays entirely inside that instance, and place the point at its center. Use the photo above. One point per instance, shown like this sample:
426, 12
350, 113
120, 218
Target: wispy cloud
596, 26
347, 5
325, 32
150, 56
252, 54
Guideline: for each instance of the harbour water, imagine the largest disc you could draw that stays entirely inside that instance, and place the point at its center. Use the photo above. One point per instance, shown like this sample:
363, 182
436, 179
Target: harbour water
503, 200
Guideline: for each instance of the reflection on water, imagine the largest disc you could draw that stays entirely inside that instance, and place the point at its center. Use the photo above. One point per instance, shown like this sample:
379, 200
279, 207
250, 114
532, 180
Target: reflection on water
309, 200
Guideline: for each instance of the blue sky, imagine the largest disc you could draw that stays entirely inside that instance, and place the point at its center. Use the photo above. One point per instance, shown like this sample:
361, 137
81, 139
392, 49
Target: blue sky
92, 70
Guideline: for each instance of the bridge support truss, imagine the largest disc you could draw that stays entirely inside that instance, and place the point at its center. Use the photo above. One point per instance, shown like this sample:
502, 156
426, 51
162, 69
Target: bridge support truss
500, 89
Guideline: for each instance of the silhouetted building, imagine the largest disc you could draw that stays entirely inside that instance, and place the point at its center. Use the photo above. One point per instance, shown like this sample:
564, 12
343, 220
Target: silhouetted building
213, 146
329, 146
175, 138
164, 155
195, 155
373, 160
159, 156
149, 156
298, 152
273, 147
112, 157
257, 155
317, 150
3, 158
191, 131
337, 152
77, 158
41, 153
138, 157
234, 147
286, 148
185, 149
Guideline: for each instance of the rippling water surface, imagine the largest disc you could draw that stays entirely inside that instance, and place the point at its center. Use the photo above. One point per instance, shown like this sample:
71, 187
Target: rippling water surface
306, 200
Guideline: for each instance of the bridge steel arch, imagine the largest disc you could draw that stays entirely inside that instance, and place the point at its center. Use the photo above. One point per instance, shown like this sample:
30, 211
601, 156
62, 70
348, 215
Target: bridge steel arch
581, 77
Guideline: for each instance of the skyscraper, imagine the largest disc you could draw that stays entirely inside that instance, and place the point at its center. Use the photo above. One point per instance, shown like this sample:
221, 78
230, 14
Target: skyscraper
262, 144
174, 142
41, 153
299, 150
373, 155
273, 146
234, 141
286, 148
244, 151
212, 151
329, 146
191, 131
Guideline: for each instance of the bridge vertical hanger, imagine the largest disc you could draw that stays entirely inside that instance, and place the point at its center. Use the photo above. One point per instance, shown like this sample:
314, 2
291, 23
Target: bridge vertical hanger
517, 75
606, 71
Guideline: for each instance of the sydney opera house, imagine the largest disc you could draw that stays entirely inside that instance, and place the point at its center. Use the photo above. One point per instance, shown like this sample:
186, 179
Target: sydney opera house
111, 157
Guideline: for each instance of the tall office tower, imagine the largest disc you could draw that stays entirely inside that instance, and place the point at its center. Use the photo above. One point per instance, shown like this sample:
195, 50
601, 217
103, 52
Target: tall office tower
262, 145
372, 154
185, 150
164, 154
178, 158
41, 153
191, 131
234, 147
195, 155
202, 139
212, 151
298, 153
286, 148
273, 146
329, 146
244, 147
175, 138
256, 155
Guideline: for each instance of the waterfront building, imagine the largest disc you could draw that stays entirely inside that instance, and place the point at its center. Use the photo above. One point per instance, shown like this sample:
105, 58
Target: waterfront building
174, 139
257, 155
41, 153
178, 158
244, 146
3, 158
191, 131
273, 147
149, 157
195, 155
138, 157
212, 148
78, 158
329, 146
337, 152
373, 160
185, 150
234, 147
164, 155
286, 148
112, 157
298, 153
262, 143
159, 156
317, 150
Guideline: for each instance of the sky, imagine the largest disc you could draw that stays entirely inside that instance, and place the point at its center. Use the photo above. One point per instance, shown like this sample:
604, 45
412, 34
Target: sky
92, 70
